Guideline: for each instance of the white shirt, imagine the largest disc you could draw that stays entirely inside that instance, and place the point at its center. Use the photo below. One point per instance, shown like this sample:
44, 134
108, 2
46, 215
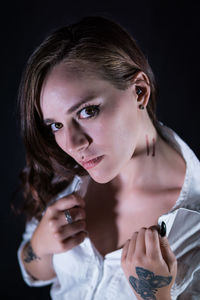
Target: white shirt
83, 274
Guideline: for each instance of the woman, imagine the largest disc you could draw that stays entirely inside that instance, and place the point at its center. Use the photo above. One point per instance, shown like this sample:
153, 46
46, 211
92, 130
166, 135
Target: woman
87, 102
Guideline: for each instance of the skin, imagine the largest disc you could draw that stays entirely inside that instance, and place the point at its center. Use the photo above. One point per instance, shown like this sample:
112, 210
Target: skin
119, 132
148, 250
54, 235
88, 137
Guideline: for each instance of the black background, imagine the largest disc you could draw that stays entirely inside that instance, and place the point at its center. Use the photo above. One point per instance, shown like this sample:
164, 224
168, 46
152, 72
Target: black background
167, 31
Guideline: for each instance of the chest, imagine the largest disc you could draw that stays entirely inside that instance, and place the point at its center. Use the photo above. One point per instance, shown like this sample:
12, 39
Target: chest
112, 219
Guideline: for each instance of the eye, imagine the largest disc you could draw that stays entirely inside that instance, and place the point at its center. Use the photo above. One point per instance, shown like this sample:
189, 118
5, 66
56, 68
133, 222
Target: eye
56, 126
88, 112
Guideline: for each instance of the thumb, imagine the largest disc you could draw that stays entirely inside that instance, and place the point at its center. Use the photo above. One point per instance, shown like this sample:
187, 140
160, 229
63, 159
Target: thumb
167, 253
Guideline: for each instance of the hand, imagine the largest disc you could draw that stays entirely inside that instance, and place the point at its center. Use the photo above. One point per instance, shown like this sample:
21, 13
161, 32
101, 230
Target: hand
54, 234
149, 264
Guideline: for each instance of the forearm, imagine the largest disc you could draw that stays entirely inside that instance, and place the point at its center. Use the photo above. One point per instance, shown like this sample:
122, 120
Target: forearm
40, 268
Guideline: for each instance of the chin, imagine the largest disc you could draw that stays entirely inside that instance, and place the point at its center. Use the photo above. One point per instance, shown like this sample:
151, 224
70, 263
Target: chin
101, 177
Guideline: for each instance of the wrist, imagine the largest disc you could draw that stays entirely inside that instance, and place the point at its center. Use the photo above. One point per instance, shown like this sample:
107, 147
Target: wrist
163, 297
38, 248
29, 254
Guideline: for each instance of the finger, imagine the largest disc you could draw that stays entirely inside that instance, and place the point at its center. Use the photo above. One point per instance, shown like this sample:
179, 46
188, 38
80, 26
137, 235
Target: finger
70, 229
152, 243
167, 253
73, 241
155, 227
65, 203
77, 213
140, 248
124, 252
132, 245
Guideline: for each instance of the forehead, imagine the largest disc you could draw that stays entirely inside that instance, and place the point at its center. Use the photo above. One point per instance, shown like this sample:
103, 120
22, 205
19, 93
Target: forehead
64, 86
63, 73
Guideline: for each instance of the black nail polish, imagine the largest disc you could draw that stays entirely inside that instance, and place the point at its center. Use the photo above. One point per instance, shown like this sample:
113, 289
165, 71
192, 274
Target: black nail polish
163, 229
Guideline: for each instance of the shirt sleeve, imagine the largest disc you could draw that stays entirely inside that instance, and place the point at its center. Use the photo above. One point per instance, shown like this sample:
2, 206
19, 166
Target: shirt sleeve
184, 239
193, 290
30, 228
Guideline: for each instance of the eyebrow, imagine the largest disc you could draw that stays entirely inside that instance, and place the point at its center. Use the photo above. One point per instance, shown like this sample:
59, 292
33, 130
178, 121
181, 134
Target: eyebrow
83, 100
74, 107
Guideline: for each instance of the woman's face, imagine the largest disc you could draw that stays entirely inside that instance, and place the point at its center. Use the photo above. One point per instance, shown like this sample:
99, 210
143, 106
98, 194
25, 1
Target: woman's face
106, 126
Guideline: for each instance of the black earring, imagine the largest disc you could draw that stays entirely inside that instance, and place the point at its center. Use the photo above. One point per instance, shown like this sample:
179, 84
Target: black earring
138, 90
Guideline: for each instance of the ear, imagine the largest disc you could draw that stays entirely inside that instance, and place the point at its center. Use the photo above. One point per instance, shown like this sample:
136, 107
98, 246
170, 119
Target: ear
141, 88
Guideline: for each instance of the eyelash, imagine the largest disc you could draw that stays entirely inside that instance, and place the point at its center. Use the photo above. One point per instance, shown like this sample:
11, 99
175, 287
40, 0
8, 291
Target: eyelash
54, 124
95, 107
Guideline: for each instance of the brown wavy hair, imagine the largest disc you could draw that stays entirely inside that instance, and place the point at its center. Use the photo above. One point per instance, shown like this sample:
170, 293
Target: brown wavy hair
95, 44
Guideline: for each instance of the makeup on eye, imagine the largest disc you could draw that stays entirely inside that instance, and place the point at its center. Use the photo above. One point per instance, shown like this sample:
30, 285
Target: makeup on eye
55, 126
94, 108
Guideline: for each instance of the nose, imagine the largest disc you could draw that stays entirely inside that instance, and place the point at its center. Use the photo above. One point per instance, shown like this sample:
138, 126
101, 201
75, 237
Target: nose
75, 139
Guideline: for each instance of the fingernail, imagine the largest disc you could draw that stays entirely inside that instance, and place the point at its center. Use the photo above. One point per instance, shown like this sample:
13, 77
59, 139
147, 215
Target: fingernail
163, 229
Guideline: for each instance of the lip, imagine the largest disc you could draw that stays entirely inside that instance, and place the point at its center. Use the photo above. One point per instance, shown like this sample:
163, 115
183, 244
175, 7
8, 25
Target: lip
92, 163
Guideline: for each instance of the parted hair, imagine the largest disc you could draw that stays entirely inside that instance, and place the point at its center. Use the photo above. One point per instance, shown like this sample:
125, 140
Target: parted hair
94, 44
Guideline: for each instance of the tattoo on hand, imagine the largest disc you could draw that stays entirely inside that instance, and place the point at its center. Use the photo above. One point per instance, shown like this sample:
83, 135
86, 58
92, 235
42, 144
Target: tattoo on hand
147, 283
30, 255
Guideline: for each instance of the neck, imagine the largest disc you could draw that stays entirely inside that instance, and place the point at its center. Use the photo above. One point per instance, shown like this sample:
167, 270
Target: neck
145, 161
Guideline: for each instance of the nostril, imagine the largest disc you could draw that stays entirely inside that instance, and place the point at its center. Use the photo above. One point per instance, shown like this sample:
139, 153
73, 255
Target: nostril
81, 139
77, 142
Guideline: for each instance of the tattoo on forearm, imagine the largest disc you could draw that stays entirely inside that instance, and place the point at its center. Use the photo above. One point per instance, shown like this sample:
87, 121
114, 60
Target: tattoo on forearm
147, 283
29, 254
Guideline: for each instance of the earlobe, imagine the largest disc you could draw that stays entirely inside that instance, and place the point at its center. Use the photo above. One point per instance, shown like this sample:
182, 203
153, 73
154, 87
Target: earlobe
141, 106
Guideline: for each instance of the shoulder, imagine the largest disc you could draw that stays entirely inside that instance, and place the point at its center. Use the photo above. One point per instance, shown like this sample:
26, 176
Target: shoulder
190, 194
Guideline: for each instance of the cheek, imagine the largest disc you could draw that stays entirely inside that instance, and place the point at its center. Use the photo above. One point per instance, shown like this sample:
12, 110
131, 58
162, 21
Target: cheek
60, 141
124, 132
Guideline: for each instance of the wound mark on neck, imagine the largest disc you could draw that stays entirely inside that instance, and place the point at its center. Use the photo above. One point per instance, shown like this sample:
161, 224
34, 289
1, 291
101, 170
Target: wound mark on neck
148, 146
154, 147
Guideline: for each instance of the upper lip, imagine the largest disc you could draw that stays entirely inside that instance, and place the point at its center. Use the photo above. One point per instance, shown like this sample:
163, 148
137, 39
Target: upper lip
87, 160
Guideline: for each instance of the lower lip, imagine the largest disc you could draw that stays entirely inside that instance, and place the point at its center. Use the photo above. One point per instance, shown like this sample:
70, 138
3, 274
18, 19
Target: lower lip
92, 163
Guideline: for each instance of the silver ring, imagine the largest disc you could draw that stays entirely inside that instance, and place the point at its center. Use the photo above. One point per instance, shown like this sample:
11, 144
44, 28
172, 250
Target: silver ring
68, 216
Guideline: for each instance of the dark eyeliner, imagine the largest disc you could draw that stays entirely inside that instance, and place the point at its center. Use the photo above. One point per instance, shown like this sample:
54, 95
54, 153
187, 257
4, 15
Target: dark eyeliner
95, 107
